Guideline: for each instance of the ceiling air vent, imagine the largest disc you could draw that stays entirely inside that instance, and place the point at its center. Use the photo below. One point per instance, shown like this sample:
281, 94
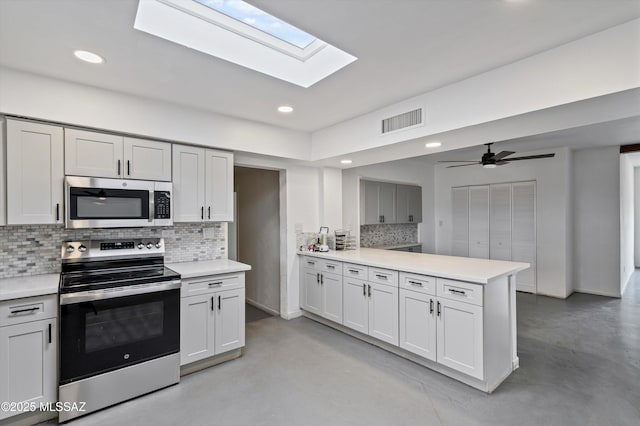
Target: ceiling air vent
401, 121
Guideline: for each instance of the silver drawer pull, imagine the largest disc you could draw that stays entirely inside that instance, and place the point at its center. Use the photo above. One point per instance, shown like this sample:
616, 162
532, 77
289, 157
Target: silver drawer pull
216, 284
460, 292
311, 263
331, 267
415, 283
353, 271
20, 311
382, 277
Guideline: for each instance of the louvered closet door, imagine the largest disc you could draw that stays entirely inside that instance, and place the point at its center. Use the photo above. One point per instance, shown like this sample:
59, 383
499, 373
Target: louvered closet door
500, 222
460, 221
524, 233
479, 221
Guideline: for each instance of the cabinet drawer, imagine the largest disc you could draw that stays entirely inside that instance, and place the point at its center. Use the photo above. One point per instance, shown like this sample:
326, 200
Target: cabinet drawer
210, 284
28, 309
353, 270
421, 283
311, 263
331, 266
383, 276
458, 290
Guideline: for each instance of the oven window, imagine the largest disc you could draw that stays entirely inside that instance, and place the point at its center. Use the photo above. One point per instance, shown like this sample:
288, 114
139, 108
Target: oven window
121, 326
105, 208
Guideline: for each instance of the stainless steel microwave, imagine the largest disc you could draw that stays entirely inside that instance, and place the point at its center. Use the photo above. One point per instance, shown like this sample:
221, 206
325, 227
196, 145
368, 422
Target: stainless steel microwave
116, 203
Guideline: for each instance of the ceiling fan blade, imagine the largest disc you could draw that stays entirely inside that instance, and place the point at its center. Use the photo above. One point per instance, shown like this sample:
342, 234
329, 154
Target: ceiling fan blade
502, 162
499, 156
530, 157
458, 161
462, 165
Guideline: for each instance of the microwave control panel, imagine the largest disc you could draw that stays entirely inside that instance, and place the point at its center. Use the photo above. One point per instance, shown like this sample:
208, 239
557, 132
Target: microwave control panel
162, 203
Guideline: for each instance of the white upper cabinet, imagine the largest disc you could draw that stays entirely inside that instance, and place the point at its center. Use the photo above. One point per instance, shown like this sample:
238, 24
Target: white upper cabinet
202, 184
219, 186
147, 160
34, 173
92, 154
409, 204
112, 156
379, 203
479, 221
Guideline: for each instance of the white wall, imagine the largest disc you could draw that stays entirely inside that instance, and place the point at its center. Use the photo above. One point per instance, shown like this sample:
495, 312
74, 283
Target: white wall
331, 198
627, 219
416, 172
45, 98
258, 230
597, 65
636, 197
596, 221
553, 204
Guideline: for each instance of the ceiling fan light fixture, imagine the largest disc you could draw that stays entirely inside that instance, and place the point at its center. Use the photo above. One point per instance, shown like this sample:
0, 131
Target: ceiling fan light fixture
489, 166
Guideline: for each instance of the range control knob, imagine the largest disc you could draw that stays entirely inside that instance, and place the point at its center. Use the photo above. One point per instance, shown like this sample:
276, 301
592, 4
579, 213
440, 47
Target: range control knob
140, 246
158, 245
149, 245
82, 248
70, 249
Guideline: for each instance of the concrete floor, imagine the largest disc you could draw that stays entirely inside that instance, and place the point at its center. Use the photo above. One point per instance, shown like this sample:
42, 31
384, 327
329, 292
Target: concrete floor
251, 314
579, 358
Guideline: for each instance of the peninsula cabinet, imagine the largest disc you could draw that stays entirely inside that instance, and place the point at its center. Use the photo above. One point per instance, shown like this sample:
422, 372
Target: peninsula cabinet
323, 289
202, 184
34, 173
28, 334
211, 316
106, 155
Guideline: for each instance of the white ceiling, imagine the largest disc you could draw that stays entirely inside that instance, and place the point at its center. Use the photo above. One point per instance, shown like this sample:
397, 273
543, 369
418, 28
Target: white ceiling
405, 47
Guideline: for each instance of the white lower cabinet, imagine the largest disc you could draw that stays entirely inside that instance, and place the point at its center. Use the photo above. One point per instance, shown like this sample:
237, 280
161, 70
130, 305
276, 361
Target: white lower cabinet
371, 308
418, 323
460, 343
28, 370
211, 316
312, 297
323, 293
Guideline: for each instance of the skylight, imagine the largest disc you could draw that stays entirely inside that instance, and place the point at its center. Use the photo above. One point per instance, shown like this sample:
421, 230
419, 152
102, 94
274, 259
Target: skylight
238, 32
251, 15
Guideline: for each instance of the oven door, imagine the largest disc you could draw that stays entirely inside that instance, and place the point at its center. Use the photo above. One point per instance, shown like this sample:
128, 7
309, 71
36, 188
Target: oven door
104, 334
108, 203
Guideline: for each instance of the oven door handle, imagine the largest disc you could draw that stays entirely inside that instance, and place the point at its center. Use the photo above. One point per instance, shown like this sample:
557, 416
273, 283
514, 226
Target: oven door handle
112, 293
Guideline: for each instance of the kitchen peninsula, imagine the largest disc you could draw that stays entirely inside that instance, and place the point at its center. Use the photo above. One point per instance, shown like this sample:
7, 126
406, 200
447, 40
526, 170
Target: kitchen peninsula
452, 314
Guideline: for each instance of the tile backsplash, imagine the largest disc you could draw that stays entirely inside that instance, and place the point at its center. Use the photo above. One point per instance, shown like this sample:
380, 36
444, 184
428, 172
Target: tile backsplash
388, 234
35, 249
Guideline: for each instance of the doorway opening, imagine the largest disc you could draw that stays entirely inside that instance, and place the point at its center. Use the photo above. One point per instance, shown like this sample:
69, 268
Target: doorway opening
629, 223
254, 238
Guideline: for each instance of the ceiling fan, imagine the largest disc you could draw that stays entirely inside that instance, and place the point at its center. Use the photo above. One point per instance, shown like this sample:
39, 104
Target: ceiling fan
490, 160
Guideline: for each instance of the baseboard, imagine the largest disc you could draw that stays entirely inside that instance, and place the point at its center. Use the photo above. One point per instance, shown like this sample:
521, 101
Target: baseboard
597, 293
210, 362
292, 315
262, 307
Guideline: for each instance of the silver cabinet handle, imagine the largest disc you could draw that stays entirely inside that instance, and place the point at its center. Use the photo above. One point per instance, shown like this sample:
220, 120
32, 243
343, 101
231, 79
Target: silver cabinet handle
219, 297
417, 283
331, 266
118, 167
209, 212
364, 290
431, 306
439, 311
202, 212
318, 278
353, 271
216, 284
382, 277
19, 311
369, 285
212, 304
321, 279
460, 292
128, 168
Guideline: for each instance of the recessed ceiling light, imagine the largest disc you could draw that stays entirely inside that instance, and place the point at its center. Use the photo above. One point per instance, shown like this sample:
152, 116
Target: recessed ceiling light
87, 56
346, 161
285, 108
432, 144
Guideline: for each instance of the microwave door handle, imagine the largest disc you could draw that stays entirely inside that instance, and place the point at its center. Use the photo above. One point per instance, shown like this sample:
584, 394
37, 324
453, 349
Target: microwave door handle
151, 205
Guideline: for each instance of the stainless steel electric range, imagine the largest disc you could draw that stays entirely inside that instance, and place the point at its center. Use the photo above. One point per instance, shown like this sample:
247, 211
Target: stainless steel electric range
119, 322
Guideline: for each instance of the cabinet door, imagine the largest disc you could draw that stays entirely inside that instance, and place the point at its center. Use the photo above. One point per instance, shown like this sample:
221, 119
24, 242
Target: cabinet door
197, 328
415, 204
92, 154
403, 193
331, 285
372, 213
383, 313
312, 300
188, 183
147, 160
479, 221
500, 222
524, 233
34, 173
460, 337
355, 305
417, 323
387, 202
3, 218
460, 221
229, 320
219, 186
28, 370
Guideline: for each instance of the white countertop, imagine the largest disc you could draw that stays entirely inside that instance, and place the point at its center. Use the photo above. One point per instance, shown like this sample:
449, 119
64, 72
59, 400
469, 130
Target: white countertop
396, 246
35, 285
207, 267
468, 269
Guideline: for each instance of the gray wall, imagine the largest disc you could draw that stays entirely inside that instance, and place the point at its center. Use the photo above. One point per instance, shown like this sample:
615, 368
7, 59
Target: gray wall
258, 234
